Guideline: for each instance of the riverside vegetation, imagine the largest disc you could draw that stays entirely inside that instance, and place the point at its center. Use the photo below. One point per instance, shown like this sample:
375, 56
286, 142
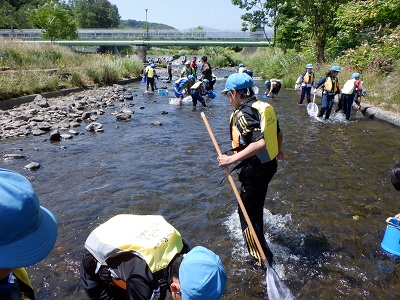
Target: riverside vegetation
378, 63
37, 68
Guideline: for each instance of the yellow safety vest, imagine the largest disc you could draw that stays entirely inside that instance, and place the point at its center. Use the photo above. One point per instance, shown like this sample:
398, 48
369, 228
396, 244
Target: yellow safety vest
331, 85
308, 77
22, 275
18, 285
268, 125
150, 73
150, 237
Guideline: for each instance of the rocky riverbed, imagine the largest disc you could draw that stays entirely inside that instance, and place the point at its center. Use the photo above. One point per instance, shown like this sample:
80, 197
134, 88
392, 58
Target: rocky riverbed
61, 117
58, 118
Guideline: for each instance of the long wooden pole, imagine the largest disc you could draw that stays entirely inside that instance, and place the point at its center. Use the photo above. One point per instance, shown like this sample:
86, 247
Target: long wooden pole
235, 190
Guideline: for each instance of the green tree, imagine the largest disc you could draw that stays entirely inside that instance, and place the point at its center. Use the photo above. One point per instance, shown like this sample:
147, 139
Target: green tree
366, 21
289, 22
6, 14
319, 22
356, 15
14, 13
311, 20
263, 14
95, 13
56, 20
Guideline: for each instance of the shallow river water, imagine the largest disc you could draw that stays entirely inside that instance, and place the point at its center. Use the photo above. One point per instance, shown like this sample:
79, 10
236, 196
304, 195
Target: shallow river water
324, 215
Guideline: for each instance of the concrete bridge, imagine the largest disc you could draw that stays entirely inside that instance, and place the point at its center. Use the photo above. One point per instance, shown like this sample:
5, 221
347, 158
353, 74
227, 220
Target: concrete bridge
142, 34
142, 39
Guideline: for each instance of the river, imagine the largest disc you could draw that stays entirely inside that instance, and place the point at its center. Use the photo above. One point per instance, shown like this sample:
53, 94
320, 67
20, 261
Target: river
324, 215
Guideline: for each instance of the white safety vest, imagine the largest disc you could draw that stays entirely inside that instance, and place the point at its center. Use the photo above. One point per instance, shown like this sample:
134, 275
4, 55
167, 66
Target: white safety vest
349, 87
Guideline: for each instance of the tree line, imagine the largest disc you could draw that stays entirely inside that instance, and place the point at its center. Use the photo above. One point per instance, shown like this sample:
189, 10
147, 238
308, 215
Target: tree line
61, 19
329, 26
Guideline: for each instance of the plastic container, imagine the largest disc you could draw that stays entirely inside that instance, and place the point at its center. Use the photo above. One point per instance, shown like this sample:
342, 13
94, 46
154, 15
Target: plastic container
391, 239
212, 95
143, 79
163, 92
265, 96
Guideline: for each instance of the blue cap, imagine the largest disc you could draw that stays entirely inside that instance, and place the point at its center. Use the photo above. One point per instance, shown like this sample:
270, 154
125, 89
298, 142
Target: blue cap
240, 65
309, 66
335, 68
202, 275
191, 77
28, 231
248, 72
170, 62
266, 83
238, 81
355, 75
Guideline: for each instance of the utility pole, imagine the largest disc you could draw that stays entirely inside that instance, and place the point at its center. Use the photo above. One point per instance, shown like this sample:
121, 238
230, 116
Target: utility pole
147, 27
11, 25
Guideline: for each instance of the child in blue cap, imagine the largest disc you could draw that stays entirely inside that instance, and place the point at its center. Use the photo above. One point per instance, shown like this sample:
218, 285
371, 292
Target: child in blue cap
258, 145
330, 89
306, 81
201, 276
28, 234
351, 91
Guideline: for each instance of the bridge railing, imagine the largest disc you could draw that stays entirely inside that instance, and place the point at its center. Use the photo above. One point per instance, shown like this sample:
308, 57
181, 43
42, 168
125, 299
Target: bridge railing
134, 34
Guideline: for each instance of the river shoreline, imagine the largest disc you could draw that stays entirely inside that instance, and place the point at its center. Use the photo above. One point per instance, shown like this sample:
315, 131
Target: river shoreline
13, 111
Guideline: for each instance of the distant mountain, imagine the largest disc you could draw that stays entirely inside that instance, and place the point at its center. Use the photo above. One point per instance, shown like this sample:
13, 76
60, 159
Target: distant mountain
204, 28
142, 25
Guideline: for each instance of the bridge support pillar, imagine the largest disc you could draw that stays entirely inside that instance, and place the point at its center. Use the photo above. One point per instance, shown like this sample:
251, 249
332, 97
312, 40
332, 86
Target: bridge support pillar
142, 52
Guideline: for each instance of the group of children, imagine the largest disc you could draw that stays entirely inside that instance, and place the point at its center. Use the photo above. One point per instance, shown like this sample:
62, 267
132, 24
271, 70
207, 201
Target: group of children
189, 84
196, 89
351, 92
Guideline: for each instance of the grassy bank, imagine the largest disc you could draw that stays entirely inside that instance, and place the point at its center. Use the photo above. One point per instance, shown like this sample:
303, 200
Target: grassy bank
36, 68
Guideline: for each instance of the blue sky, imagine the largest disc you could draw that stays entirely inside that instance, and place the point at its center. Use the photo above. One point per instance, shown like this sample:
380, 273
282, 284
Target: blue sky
183, 14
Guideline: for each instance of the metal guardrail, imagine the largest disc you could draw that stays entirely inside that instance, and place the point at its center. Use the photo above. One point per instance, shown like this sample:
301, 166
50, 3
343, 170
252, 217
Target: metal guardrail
150, 43
134, 34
